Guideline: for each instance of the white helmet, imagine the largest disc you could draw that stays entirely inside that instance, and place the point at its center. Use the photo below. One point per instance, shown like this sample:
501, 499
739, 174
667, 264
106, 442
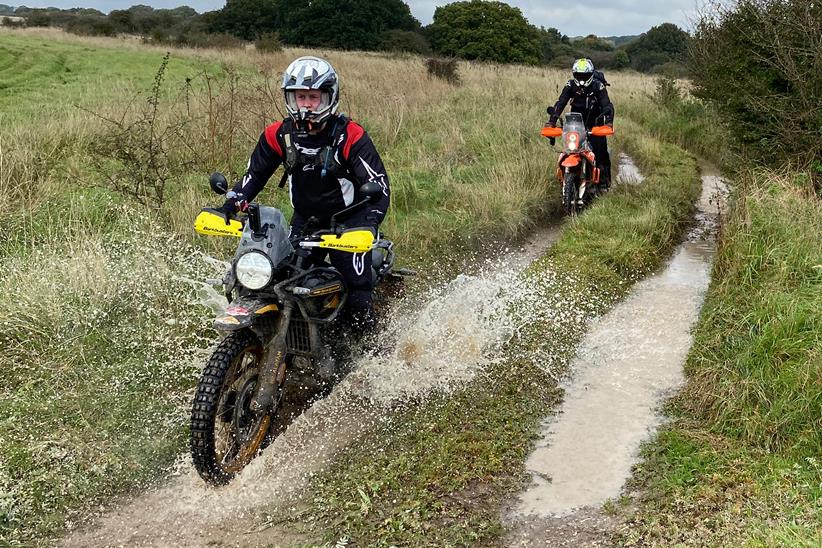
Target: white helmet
311, 73
583, 70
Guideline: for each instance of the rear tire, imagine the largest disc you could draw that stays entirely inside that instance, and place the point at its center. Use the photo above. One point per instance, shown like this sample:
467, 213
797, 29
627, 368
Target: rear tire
225, 434
569, 193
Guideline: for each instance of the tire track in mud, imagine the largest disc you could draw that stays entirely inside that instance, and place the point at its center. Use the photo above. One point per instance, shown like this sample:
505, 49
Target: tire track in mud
630, 360
438, 346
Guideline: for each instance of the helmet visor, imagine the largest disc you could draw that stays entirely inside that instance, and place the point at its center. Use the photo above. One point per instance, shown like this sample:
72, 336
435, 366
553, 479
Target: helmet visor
583, 77
294, 105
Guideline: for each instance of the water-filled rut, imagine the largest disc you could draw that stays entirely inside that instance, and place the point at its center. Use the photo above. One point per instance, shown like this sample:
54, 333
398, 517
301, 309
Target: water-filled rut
630, 359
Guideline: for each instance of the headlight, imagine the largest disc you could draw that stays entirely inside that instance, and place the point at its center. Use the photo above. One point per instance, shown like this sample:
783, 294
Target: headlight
254, 270
572, 140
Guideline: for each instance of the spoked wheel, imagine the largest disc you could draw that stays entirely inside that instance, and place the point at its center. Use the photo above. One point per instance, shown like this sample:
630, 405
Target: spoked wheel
569, 194
225, 433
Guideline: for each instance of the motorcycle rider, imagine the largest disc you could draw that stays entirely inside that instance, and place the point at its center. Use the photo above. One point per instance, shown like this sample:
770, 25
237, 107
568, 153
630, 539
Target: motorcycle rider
589, 97
326, 157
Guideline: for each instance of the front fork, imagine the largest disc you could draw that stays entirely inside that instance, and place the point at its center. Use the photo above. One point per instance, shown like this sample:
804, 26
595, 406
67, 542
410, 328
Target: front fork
272, 372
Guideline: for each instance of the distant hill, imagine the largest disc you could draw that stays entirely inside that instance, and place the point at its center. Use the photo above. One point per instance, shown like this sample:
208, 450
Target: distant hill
615, 40
620, 40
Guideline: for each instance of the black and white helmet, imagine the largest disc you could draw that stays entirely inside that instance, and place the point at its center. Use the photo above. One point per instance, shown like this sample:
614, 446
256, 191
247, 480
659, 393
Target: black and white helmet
583, 71
311, 73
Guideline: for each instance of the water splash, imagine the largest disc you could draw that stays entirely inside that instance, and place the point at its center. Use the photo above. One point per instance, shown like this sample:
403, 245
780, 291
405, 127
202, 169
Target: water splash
440, 343
206, 293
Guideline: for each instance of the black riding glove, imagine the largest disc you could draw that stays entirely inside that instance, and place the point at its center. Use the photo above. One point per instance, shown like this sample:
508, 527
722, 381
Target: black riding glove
232, 206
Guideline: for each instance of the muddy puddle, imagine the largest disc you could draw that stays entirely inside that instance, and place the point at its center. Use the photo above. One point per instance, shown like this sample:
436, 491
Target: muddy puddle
630, 360
627, 172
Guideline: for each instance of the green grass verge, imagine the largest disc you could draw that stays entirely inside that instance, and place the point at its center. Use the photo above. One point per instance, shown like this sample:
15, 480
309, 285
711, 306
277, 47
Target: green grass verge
40, 78
739, 464
438, 475
672, 115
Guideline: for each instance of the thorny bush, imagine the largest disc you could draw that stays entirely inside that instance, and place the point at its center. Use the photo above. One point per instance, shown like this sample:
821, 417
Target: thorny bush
444, 69
208, 123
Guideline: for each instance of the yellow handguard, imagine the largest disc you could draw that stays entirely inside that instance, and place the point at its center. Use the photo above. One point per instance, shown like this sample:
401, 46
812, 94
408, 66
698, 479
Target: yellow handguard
357, 240
213, 224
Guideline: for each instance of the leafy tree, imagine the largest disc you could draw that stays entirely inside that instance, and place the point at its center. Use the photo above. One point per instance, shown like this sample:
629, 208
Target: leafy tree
662, 44
552, 42
248, 19
122, 21
645, 60
621, 59
88, 25
345, 24
405, 41
38, 18
759, 63
486, 31
592, 42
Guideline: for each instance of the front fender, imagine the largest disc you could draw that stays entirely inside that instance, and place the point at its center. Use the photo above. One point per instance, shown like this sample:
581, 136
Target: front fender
244, 311
572, 160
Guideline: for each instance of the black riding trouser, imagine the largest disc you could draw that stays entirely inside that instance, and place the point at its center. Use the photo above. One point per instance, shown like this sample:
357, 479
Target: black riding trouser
599, 146
355, 269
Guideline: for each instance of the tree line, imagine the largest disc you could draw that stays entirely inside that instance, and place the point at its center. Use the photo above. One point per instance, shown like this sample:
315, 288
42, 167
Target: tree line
474, 29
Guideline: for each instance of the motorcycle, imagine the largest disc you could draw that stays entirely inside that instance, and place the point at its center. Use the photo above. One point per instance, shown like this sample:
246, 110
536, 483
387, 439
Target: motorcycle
576, 167
282, 304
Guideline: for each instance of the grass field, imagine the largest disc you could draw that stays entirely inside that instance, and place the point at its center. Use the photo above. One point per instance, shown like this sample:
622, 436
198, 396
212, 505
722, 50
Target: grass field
103, 335
100, 325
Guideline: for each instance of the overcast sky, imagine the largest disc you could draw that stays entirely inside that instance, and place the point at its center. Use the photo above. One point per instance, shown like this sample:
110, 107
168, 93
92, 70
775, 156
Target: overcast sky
600, 17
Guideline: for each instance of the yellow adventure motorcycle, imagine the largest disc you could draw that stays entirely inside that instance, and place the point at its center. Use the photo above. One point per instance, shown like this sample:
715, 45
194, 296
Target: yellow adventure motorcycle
281, 306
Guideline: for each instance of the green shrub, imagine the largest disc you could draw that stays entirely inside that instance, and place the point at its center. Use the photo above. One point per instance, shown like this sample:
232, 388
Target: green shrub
404, 41
667, 94
268, 42
12, 23
756, 61
91, 26
445, 69
38, 19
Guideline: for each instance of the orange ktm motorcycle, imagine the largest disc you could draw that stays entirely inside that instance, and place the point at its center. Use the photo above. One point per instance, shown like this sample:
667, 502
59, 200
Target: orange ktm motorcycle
576, 168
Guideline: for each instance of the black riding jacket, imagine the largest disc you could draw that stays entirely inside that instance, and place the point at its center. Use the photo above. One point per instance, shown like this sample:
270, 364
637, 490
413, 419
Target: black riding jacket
354, 161
591, 101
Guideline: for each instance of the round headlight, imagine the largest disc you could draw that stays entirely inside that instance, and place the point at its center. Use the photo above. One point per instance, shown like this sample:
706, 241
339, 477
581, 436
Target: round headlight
254, 270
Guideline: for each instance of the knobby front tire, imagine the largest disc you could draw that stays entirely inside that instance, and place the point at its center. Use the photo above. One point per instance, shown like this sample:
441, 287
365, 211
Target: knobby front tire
225, 434
569, 193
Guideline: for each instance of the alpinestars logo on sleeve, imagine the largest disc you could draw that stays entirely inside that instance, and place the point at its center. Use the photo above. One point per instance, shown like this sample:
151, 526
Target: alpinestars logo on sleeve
375, 177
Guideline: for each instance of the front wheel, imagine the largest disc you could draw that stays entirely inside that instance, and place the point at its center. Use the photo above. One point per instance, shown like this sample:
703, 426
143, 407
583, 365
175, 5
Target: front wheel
569, 193
225, 433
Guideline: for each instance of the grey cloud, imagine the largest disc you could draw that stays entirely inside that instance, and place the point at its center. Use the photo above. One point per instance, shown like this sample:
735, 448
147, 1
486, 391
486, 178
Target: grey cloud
600, 17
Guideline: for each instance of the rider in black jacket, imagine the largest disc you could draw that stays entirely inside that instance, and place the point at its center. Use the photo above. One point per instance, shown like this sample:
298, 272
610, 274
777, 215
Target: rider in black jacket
327, 157
589, 97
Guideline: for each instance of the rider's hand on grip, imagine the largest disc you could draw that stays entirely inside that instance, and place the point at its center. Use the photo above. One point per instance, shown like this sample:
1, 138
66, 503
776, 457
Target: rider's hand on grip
230, 207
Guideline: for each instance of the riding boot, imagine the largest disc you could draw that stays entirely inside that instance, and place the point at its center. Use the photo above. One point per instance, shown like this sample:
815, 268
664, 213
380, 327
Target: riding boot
604, 178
